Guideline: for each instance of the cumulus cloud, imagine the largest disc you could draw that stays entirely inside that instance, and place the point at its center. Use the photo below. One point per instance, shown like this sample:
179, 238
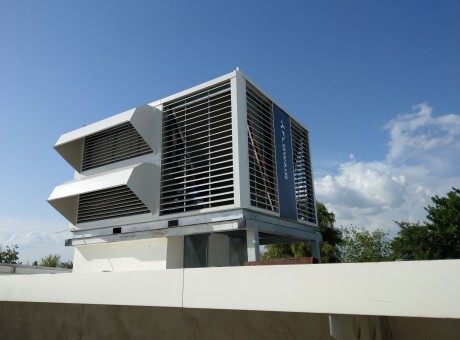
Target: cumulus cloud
423, 159
416, 135
36, 238
363, 185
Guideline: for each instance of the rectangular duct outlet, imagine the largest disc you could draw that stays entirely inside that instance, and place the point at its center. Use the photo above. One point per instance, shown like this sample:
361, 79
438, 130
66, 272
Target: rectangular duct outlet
109, 203
173, 223
113, 145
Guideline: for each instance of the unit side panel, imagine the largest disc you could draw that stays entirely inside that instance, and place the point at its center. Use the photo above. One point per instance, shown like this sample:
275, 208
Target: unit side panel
197, 152
306, 207
261, 146
240, 142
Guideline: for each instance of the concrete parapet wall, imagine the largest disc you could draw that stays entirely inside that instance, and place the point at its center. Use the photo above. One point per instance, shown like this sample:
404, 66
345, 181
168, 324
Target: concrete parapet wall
27, 320
8, 269
414, 289
392, 300
78, 321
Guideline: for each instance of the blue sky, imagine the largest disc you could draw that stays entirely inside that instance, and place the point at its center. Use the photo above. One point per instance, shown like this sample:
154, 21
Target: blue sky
376, 82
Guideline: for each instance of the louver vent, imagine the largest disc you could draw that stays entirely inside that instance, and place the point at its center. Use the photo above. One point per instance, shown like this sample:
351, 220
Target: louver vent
113, 145
262, 166
109, 203
302, 174
197, 162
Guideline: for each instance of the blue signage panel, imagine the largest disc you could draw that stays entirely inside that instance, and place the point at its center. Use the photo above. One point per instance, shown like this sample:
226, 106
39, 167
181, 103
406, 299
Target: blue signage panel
284, 164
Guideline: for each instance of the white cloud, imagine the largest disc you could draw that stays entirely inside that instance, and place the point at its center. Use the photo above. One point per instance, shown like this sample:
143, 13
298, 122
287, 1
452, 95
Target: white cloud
417, 135
423, 159
35, 238
363, 185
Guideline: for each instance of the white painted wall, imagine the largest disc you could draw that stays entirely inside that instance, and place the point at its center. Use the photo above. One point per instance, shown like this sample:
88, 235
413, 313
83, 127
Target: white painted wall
414, 289
147, 254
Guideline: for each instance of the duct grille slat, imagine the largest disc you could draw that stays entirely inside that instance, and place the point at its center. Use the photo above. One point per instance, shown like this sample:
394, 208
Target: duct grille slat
262, 164
302, 173
112, 145
197, 161
109, 203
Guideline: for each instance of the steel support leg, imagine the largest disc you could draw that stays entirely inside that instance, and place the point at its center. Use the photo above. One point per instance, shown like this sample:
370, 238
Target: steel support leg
315, 250
252, 240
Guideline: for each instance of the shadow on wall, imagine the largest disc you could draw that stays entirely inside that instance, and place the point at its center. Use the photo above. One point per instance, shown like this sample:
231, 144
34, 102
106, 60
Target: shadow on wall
25, 320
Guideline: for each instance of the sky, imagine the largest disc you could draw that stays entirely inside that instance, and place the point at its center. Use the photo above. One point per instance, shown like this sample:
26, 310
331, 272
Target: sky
377, 83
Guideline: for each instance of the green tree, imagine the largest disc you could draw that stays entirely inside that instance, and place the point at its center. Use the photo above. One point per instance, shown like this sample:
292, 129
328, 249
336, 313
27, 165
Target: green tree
413, 242
10, 255
51, 260
332, 236
438, 238
360, 245
66, 264
444, 225
277, 251
329, 249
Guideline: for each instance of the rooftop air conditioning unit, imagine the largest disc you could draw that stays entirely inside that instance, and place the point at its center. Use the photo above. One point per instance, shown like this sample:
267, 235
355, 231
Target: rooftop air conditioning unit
219, 157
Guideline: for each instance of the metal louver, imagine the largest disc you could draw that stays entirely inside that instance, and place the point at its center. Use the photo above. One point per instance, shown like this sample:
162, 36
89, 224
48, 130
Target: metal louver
262, 164
109, 203
197, 162
303, 174
112, 145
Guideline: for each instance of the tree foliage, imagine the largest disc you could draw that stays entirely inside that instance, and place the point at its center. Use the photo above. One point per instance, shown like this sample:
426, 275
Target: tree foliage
360, 245
66, 264
438, 238
444, 225
277, 251
329, 249
332, 236
51, 260
413, 242
10, 255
